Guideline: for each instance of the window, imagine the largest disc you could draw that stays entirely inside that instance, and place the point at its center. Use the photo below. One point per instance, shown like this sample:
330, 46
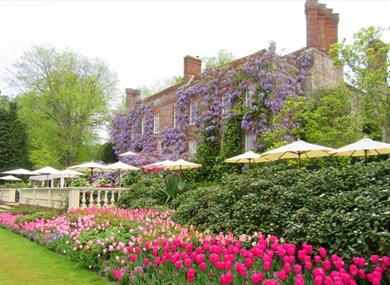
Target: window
225, 105
174, 117
192, 145
142, 126
247, 98
193, 112
156, 123
250, 141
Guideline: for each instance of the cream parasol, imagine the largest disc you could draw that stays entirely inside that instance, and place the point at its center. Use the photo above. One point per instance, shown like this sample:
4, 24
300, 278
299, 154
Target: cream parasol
297, 150
364, 147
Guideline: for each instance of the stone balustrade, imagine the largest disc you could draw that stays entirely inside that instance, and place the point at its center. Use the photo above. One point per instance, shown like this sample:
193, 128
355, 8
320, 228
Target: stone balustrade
60, 198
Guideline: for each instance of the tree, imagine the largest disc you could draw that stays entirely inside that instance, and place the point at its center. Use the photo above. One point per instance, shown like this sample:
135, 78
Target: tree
367, 61
106, 153
14, 142
64, 101
328, 118
223, 57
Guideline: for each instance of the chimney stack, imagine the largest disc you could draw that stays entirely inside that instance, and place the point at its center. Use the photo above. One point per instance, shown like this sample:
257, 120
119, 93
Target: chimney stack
132, 95
321, 26
192, 67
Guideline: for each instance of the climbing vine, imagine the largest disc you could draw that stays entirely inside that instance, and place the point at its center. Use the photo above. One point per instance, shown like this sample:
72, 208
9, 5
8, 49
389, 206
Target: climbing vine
250, 92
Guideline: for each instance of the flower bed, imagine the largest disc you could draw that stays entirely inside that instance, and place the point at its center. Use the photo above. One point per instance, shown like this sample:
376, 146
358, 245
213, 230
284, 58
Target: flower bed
148, 247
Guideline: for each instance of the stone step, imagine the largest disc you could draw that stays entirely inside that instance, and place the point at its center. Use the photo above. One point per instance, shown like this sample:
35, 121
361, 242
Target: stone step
12, 204
5, 207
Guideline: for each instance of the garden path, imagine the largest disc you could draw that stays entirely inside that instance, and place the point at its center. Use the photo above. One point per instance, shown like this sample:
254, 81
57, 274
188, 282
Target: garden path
23, 262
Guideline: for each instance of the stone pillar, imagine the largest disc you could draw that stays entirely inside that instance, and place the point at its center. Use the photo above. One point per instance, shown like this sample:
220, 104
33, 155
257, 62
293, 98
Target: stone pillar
73, 198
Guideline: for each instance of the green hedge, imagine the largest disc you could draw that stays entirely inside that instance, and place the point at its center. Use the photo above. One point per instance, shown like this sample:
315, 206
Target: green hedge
346, 210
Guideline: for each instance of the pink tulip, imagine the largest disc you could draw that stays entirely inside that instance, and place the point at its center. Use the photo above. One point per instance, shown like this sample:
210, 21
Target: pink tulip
117, 274
375, 259
226, 278
191, 275
257, 278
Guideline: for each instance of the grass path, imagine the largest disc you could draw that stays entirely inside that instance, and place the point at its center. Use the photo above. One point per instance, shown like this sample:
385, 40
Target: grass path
23, 262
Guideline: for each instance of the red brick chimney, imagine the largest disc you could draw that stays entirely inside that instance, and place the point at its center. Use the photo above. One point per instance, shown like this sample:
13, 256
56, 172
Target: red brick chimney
192, 67
321, 26
132, 95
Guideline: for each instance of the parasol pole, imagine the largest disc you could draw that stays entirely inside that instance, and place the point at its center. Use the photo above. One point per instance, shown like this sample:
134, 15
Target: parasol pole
365, 156
90, 180
299, 160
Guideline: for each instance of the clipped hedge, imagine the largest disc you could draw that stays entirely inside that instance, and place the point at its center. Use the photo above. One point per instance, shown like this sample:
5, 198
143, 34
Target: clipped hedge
346, 210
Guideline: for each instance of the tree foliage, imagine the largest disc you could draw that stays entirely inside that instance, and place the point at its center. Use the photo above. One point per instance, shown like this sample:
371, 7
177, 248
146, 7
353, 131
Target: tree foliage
223, 57
14, 142
328, 118
65, 100
367, 61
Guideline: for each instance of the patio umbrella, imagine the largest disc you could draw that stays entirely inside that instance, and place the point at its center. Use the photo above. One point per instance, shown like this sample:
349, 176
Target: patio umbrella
128, 153
297, 150
90, 166
158, 164
364, 147
71, 172
19, 171
247, 157
68, 173
121, 166
180, 164
10, 178
47, 171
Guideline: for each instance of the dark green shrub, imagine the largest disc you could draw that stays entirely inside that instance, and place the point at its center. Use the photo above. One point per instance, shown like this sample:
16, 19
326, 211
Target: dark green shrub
130, 178
141, 194
346, 210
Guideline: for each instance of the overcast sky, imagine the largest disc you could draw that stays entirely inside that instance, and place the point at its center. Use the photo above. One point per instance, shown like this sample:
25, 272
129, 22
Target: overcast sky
144, 42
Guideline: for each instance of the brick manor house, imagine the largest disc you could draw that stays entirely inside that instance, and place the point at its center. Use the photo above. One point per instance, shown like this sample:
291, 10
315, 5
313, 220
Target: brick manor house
321, 33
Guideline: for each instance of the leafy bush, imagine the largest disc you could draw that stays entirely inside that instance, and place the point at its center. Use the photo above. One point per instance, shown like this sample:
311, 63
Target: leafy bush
346, 209
130, 178
141, 194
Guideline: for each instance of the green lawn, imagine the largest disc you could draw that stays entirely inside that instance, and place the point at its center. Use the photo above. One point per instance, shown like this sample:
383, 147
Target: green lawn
23, 262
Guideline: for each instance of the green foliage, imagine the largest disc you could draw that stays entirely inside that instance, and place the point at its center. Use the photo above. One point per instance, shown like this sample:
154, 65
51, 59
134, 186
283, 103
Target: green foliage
170, 190
130, 178
223, 57
207, 154
141, 194
79, 182
368, 62
106, 153
65, 100
344, 209
231, 144
328, 118
37, 215
14, 142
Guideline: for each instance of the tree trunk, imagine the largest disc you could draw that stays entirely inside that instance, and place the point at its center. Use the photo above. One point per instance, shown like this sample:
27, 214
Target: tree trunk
386, 131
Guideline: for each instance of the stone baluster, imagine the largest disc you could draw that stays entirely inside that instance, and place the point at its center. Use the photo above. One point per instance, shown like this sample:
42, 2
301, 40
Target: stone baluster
90, 198
98, 199
105, 199
83, 200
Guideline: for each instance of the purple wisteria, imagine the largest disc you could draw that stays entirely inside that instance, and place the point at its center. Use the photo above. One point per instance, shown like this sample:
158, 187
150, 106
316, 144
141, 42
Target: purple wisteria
261, 83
